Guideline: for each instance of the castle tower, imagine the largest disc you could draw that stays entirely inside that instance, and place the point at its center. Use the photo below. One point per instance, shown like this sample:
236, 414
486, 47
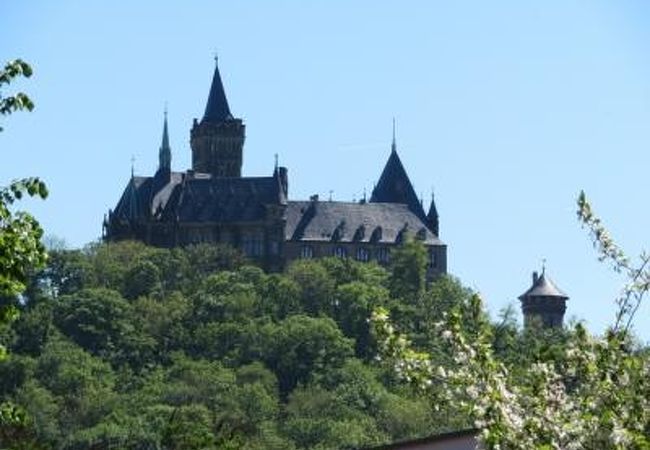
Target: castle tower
217, 141
543, 302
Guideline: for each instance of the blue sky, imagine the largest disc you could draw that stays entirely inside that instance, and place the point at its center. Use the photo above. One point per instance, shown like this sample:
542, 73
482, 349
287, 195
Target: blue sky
505, 109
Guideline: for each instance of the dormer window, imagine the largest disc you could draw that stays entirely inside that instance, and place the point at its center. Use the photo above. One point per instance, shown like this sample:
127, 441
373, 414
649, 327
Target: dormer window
376, 235
401, 235
359, 233
421, 235
337, 235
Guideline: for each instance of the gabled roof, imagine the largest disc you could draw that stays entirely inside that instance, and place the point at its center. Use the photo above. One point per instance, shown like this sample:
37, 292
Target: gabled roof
394, 186
353, 222
543, 287
217, 109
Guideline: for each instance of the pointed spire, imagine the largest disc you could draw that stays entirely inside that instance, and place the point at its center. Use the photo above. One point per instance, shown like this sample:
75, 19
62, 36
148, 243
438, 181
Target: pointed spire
394, 144
165, 152
217, 109
394, 185
432, 216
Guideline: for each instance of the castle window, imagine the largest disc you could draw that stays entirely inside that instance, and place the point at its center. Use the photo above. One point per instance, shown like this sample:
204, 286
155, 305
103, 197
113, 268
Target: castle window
340, 252
252, 244
432, 258
376, 235
363, 254
383, 255
421, 235
307, 252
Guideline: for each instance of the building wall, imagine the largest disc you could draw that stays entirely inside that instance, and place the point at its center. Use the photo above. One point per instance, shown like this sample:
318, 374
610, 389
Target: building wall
361, 251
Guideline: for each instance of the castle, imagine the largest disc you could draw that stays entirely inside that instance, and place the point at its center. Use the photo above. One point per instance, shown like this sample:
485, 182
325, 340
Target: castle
212, 202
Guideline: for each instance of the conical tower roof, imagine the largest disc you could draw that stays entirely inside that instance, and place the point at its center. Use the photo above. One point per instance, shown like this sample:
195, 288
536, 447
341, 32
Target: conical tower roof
543, 286
394, 185
217, 109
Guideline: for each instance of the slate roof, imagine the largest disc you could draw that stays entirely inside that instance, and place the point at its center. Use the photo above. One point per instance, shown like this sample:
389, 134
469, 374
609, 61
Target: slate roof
217, 109
394, 186
543, 287
199, 198
353, 222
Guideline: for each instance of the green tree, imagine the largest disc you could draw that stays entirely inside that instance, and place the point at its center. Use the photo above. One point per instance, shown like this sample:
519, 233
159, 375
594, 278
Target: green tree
408, 270
21, 249
577, 391
302, 346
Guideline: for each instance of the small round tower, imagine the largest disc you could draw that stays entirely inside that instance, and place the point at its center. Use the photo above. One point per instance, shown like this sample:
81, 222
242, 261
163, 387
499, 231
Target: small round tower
544, 302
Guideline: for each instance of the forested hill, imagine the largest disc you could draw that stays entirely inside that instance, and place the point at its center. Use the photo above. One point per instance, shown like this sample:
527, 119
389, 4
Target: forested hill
131, 347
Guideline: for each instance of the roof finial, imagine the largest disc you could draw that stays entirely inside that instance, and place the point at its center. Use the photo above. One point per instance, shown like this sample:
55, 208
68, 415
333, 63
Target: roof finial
543, 265
132, 165
216, 56
276, 161
394, 145
331, 192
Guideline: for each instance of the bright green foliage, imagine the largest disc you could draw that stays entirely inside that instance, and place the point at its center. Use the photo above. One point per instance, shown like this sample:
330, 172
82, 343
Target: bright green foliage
125, 346
408, 271
19, 101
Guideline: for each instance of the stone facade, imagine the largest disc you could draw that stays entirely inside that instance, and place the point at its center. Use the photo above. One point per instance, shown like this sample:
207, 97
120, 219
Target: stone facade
212, 202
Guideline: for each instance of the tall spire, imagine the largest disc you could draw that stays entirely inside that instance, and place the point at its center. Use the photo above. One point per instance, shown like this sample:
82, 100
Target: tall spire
217, 109
432, 216
165, 152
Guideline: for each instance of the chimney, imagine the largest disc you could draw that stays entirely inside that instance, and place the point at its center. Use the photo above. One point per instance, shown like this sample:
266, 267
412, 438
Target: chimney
535, 278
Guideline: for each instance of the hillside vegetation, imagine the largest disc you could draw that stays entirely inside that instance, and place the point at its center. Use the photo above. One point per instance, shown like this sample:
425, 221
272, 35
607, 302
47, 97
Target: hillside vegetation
128, 346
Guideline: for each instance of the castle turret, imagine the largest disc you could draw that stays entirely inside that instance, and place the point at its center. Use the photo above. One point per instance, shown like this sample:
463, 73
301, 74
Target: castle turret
544, 302
432, 217
217, 141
